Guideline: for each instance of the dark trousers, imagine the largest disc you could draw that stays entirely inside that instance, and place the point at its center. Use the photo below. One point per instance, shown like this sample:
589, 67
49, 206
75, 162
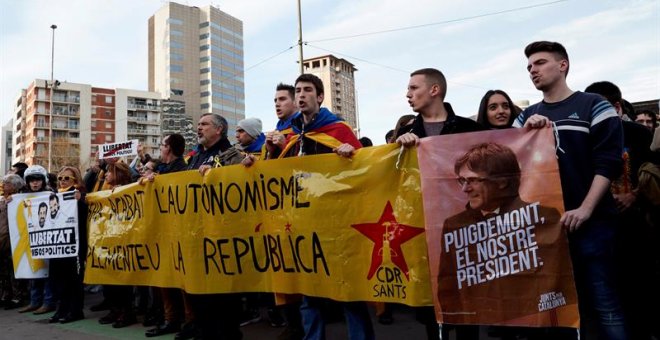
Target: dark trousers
67, 277
217, 316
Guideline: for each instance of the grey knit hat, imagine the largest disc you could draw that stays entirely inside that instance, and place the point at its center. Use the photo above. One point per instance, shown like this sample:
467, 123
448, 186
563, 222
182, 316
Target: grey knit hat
252, 126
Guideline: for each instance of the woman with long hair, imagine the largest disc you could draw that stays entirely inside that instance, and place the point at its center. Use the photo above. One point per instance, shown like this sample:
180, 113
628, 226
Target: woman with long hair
496, 110
120, 297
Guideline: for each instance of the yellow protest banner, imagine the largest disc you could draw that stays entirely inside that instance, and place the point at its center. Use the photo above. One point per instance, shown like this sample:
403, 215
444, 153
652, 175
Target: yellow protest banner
323, 225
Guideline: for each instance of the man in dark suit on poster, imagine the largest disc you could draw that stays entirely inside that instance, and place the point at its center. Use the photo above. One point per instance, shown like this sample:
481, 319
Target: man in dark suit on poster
499, 256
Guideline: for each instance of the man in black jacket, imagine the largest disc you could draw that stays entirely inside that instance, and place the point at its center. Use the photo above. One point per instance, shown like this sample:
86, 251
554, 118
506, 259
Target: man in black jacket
426, 94
215, 315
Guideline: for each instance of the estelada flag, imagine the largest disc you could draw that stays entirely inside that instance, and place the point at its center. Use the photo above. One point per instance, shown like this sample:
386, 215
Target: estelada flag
497, 252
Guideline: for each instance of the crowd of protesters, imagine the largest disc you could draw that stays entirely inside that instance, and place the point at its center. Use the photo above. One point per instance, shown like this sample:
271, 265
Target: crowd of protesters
608, 160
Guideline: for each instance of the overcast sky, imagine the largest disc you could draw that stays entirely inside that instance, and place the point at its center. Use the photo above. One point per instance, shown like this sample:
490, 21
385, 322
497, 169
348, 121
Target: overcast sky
477, 44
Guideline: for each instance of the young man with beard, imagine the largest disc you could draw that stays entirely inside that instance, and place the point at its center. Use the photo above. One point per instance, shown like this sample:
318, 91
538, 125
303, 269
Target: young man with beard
590, 145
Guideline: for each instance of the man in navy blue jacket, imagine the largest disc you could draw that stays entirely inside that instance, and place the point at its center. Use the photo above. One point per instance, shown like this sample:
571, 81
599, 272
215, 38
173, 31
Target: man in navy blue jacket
590, 144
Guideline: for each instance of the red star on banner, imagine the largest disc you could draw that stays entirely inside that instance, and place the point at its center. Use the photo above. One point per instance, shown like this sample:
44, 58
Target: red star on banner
387, 229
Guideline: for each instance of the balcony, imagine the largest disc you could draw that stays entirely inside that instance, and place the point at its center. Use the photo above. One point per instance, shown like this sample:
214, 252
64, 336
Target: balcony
65, 112
135, 106
144, 120
143, 132
67, 99
66, 126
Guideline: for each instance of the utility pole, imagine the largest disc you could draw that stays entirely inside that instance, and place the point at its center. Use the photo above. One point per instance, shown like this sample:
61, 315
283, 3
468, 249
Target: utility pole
300, 40
52, 86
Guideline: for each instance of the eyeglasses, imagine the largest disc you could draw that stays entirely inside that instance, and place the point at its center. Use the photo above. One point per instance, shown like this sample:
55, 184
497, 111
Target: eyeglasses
65, 178
470, 180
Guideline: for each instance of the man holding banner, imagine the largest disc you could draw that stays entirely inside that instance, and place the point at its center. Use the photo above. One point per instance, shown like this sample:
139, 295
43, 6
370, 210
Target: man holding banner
589, 138
215, 315
12, 290
316, 131
214, 149
285, 107
426, 95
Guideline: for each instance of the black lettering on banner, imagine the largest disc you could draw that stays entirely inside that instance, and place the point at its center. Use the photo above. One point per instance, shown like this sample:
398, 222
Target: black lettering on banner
263, 194
270, 254
240, 251
127, 207
127, 257
179, 264
255, 260
209, 255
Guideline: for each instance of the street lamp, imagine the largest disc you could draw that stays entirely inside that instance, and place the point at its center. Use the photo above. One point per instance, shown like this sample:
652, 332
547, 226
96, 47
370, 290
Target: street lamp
52, 85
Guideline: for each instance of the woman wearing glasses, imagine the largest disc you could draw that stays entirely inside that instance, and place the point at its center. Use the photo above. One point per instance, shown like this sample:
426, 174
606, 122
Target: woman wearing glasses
68, 273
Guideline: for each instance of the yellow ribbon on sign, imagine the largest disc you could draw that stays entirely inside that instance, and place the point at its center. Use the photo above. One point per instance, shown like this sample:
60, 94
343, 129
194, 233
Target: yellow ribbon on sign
23, 244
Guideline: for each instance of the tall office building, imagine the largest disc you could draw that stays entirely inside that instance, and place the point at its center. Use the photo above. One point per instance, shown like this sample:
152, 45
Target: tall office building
339, 85
84, 117
196, 56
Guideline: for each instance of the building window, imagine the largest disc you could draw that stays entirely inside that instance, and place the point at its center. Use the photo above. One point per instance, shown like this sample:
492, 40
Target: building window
108, 100
108, 138
316, 64
176, 68
108, 125
176, 92
108, 113
175, 21
93, 123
